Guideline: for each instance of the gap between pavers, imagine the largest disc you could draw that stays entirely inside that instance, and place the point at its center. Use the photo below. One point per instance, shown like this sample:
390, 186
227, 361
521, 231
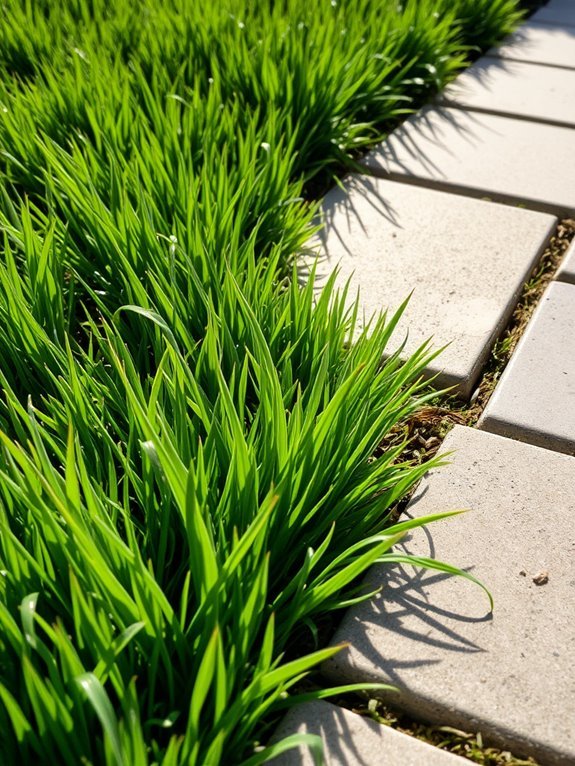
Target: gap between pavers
535, 399
515, 89
539, 44
465, 260
566, 272
510, 674
556, 12
350, 739
482, 155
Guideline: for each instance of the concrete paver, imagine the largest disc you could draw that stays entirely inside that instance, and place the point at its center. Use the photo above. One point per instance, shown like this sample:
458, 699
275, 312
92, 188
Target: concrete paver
351, 739
464, 259
539, 44
482, 155
556, 12
566, 272
516, 89
535, 399
509, 674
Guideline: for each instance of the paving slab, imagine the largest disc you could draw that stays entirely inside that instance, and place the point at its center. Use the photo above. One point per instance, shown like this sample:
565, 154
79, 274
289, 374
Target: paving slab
535, 399
561, 12
566, 272
516, 89
481, 155
465, 260
351, 740
553, 45
509, 674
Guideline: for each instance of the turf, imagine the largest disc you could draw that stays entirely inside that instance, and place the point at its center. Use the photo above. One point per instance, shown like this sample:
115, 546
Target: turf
187, 480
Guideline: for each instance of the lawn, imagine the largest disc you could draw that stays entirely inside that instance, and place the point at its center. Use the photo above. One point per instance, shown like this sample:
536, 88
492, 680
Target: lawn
187, 476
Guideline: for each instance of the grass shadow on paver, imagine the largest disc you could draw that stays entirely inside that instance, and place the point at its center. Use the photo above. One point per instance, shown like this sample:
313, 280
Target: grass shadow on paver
485, 88
344, 734
568, 29
341, 201
526, 47
408, 137
418, 125
480, 156
338, 753
407, 592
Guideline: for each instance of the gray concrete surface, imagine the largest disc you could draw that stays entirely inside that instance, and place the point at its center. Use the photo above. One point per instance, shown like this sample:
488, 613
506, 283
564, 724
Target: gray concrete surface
516, 89
464, 259
535, 399
482, 155
509, 674
559, 12
540, 44
352, 740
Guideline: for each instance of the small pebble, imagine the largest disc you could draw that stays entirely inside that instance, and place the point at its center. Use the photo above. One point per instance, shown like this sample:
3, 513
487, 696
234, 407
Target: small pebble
542, 578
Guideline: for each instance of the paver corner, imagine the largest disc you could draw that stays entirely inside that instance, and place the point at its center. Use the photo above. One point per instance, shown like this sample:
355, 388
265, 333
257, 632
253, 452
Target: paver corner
349, 738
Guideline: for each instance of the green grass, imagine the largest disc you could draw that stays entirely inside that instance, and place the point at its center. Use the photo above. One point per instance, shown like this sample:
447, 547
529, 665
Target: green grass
187, 482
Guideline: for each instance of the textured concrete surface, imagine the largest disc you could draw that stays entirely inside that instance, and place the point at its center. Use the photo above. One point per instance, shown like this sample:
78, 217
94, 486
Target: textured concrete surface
516, 89
509, 674
539, 44
464, 259
351, 740
561, 12
535, 399
483, 155
566, 272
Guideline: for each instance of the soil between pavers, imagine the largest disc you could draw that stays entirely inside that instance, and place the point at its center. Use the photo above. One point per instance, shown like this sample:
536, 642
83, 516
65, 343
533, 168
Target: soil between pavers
465, 260
510, 674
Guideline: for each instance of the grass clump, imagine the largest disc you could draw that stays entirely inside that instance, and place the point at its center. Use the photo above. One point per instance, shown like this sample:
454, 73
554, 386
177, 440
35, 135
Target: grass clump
186, 472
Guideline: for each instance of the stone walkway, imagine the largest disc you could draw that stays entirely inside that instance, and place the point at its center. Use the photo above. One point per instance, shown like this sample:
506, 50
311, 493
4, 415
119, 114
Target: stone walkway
462, 201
